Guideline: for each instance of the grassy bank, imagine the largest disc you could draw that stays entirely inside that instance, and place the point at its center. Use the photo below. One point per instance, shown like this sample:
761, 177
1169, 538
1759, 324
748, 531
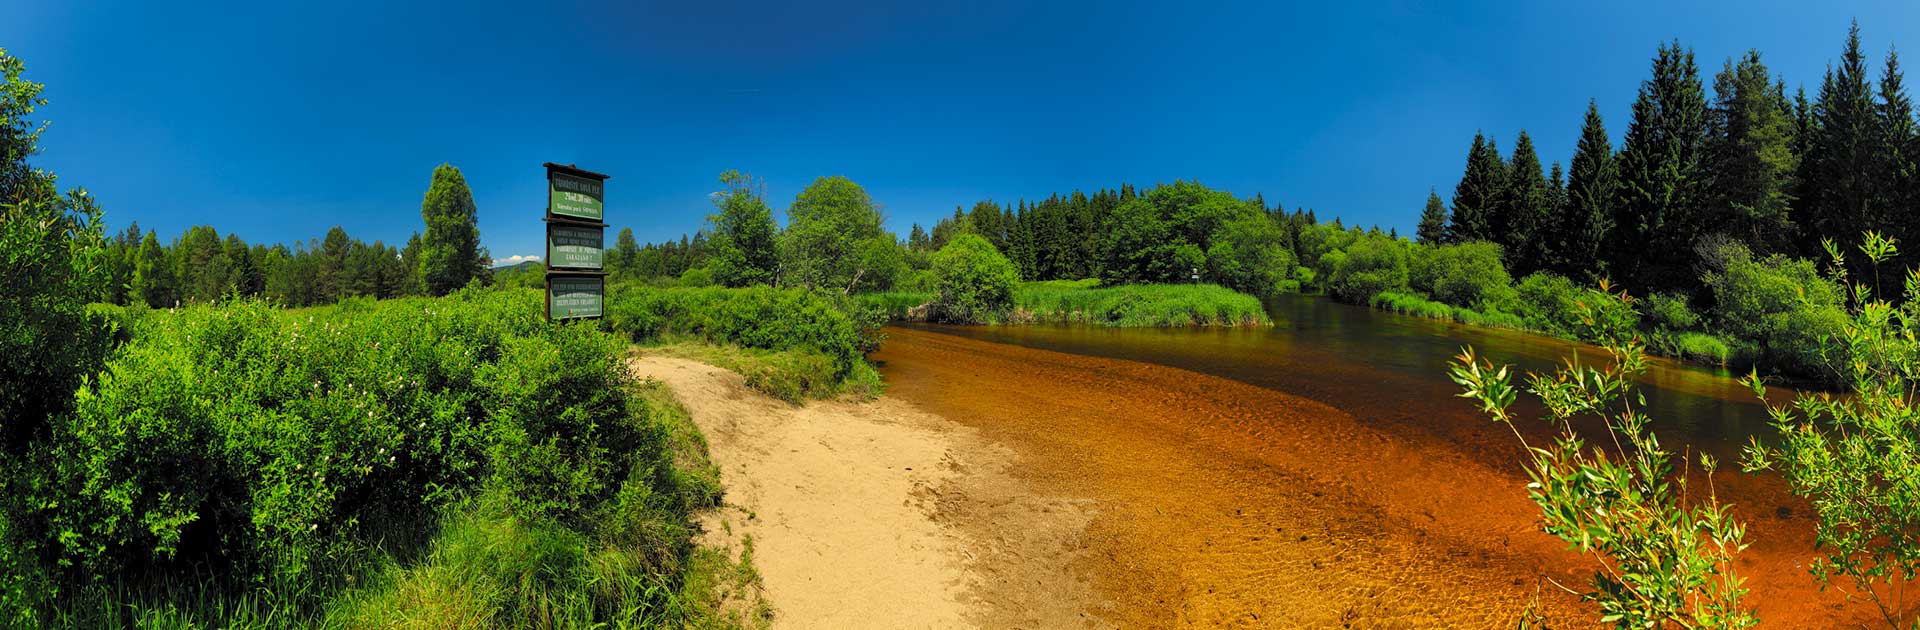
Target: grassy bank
1086, 302
452, 462
790, 343
1146, 305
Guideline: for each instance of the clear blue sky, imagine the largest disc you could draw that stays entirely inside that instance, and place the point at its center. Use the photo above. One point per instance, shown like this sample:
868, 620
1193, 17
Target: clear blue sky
277, 122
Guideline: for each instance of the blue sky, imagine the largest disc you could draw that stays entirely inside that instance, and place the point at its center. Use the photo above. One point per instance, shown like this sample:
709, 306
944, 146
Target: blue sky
279, 120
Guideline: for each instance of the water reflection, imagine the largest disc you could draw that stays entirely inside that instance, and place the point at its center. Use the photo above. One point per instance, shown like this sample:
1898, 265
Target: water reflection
1391, 369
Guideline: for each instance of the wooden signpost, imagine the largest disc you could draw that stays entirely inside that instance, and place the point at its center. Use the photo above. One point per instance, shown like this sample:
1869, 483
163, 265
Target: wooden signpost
576, 243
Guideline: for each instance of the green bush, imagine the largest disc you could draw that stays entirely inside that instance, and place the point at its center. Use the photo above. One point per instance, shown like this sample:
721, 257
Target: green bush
1784, 307
1466, 274
917, 281
50, 269
275, 448
975, 283
1669, 311
1375, 263
696, 277
1549, 303
752, 317
1249, 254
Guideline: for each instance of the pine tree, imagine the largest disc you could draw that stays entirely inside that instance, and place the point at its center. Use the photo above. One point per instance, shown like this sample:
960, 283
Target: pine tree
1433, 220
450, 252
410, 267
153, 280
1658, 209
1556, 189
1476, 200
1751, 156
917, 238
1839, 201
1897, 167
1525, 207
245, 272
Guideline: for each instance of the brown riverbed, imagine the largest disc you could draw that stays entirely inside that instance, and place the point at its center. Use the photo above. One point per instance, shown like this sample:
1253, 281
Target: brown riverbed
1218, 503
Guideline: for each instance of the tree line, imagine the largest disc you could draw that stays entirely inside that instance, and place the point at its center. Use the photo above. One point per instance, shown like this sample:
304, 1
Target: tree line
202, 266
1753, 165
1168, 233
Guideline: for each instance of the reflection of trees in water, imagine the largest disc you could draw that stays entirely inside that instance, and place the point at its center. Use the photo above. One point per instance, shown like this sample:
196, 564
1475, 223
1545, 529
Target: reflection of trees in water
1386, 368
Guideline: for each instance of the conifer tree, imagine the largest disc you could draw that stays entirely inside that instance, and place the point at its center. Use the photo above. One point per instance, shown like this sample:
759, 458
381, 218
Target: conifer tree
626, 256
1897, 166
1477, 198
153, 280
1525, 206
451, 255
1433, 220
1662, 181
410, 267
1751, 156
1839, 200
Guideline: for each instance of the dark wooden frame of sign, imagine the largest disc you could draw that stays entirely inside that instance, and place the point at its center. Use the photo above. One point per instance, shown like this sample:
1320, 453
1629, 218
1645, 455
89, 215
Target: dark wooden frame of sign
551, 219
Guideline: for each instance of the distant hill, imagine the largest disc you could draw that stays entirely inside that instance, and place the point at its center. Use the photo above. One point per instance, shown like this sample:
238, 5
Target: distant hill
526, 274
529, 264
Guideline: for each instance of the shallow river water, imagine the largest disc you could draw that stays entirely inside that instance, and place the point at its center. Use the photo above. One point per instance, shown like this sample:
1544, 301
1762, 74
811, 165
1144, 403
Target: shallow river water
1320, 472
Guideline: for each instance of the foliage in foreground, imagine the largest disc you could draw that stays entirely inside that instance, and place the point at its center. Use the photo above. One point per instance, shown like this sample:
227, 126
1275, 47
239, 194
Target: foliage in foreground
286, 452
1665, 552
1858, 459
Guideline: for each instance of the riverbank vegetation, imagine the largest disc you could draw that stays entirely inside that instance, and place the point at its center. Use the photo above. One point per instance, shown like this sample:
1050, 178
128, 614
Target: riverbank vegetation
424, 462
403, 459
1667, 554
791, 343
1154, 305
1089, 302
1667, 549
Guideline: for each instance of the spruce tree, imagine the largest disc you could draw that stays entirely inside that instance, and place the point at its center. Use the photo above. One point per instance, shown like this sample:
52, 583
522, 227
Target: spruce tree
1751, 156
450, 254
1526, 205
1839, 200
1897, 166
626, 256
153, 280
1433, 220
1477, 198
1658, 207
410, 267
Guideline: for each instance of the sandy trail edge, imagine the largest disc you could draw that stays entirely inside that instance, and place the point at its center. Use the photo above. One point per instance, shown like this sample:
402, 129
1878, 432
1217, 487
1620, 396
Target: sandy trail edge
880, 515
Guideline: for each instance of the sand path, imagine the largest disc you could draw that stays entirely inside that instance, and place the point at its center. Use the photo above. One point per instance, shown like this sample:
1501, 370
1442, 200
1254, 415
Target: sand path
879, 515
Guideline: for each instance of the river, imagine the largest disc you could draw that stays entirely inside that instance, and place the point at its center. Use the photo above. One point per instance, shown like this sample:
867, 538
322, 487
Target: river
1321, 471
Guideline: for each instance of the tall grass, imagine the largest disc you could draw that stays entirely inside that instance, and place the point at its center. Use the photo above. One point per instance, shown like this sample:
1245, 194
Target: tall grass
1085, 301
1416, 306
896, 305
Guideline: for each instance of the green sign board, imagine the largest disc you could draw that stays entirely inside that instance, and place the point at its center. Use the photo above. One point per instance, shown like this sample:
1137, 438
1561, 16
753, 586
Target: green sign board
571, 195
575, 297
575, 247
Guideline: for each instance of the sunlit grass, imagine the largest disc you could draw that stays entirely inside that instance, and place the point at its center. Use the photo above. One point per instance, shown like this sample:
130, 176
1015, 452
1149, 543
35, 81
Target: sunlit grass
1144, 305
